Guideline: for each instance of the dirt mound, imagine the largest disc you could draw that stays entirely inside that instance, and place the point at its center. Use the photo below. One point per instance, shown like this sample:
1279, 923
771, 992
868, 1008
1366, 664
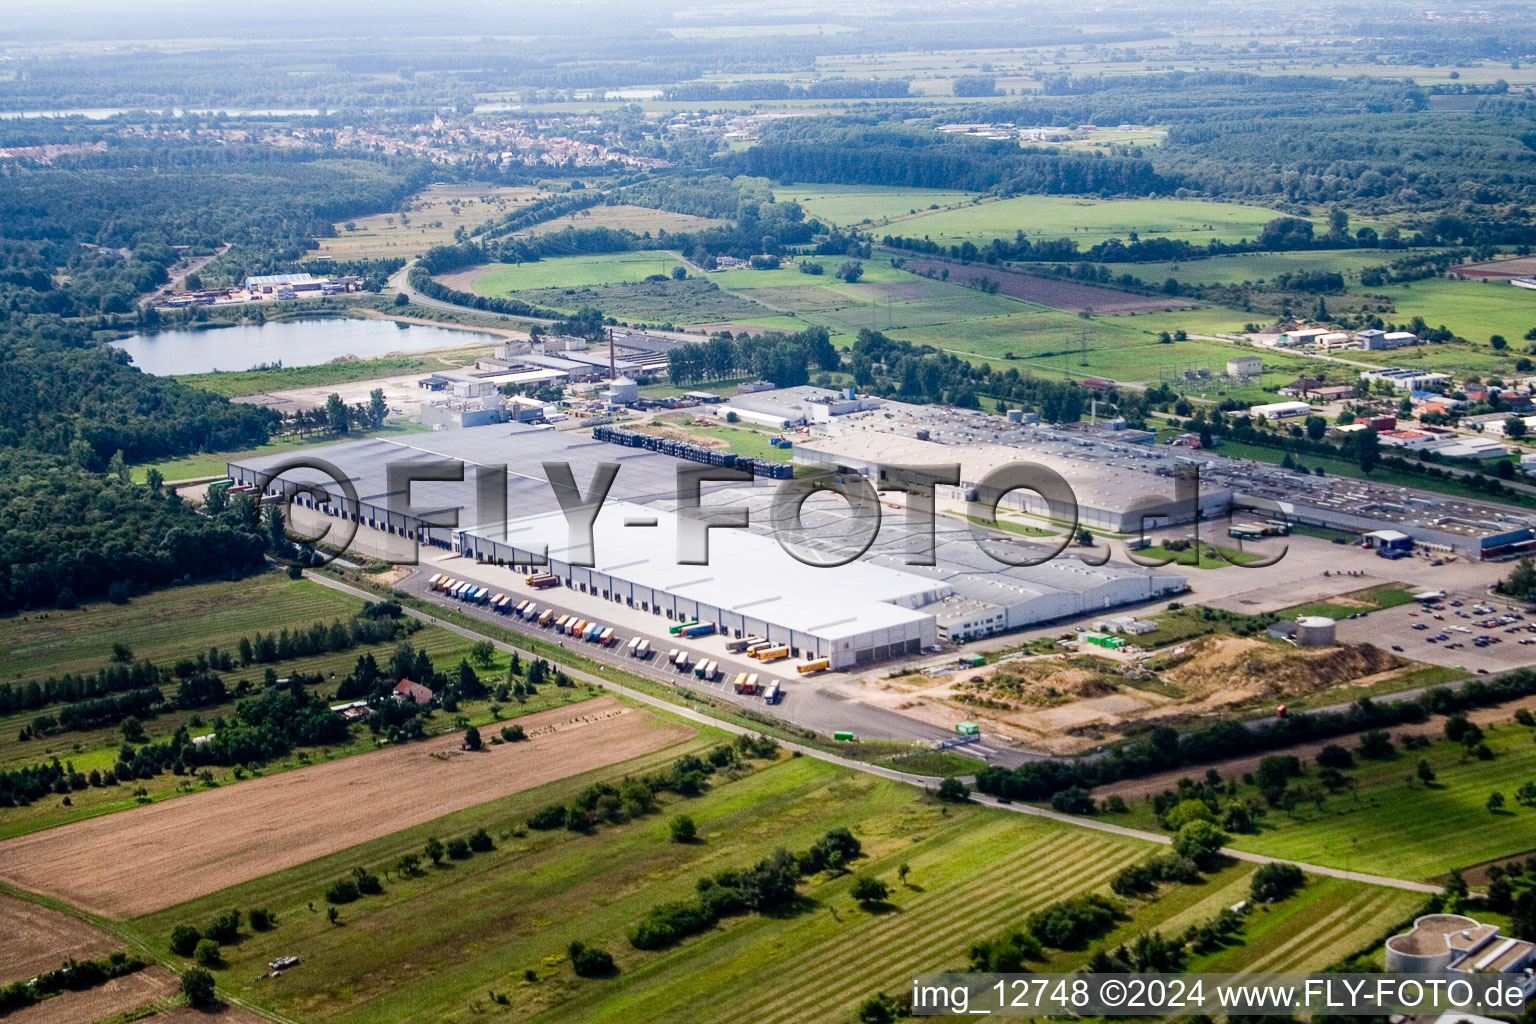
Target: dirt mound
1045, 681
1217, 664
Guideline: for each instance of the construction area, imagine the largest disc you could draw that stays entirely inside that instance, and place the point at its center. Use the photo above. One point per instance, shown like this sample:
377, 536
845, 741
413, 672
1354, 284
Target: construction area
1072, 702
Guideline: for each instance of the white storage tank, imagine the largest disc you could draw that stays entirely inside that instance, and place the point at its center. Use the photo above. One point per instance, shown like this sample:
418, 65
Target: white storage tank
1314, 631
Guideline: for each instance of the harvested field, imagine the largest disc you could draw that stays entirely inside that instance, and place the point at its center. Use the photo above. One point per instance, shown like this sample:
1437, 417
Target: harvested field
1519, 266
115, 997
225, 1014
152, 857
38, 939
1057, 294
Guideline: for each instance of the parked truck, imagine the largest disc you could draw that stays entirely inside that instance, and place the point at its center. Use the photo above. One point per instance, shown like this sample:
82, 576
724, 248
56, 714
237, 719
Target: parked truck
814, 666
677, 627
698, 629
772, 653
737, 646
774, 693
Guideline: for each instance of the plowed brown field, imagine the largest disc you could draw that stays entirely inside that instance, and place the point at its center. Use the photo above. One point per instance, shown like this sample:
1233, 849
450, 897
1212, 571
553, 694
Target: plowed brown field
34, 939
156, 856
115, 997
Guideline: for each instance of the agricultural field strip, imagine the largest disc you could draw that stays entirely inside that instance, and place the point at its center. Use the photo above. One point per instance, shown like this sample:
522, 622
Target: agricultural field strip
122, 865
936, 926
888, 773
38, 939
1347, 918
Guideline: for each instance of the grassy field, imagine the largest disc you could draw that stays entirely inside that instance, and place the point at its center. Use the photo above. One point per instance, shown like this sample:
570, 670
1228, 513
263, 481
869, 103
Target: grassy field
1265, 266
253, 382
1473, 309
163, 625
450, 944
638, 219
435, 946
1088, 220
855, 204
1385, 595
167, 625
575, 271
432, 214
1392, 827
1209, 556
195, 467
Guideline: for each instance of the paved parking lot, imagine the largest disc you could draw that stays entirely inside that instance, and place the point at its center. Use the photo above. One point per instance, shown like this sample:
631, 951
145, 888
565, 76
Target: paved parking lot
1400, 630
815, 702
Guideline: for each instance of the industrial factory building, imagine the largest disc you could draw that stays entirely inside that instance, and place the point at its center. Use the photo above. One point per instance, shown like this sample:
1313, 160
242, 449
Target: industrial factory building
873, 608
1117, 484
1116, 487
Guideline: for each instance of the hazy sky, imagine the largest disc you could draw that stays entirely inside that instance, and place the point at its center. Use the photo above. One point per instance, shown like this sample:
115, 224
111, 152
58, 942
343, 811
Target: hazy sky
40, 20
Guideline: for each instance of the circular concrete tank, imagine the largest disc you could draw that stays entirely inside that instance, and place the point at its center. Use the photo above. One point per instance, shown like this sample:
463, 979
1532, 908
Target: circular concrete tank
1314, 631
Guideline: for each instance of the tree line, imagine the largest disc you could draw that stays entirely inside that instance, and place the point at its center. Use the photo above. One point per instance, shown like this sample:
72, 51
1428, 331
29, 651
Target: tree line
782, 358
1164, 749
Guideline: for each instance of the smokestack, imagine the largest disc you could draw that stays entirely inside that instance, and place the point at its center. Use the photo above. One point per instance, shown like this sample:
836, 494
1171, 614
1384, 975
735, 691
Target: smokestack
612, 372
1093, 412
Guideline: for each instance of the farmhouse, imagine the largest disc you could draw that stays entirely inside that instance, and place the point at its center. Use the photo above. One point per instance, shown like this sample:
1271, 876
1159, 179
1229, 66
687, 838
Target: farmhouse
405, 689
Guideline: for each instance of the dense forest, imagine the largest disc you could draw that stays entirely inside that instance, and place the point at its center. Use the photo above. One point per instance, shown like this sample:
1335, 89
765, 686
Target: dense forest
80, 241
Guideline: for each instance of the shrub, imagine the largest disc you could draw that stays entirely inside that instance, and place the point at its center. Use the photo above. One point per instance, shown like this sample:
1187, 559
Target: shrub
548, 818
368, 884
868, 889
589, 962
1376, 745
1186, 811
263, 920
197, 987
1072, 923
1275, 882
1072, 800
953, 791
1335, 756
184, 939
1199, 841
671, 922
458, 849
224, 929
343, 890
513, 733
207, 953
1005, 955
683, 830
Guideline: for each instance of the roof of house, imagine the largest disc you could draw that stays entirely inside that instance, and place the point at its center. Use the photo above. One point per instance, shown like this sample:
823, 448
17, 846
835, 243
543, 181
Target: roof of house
415, 691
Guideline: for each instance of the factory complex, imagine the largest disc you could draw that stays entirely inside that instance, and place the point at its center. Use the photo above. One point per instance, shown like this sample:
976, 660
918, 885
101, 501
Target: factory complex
1119, 484
875, 607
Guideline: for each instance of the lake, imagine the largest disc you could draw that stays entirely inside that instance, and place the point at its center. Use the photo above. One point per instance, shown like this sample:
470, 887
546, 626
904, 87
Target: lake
290, 342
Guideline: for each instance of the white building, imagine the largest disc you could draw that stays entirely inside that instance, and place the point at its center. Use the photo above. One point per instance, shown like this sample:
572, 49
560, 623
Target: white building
1281, 410
1245, 366
1404, 379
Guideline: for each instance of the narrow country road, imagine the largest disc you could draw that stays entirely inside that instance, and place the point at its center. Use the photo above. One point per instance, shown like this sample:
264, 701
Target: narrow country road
400, 283
925, 782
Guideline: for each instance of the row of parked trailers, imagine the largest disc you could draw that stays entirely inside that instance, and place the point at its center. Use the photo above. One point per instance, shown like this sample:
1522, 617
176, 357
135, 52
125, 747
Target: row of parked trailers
694, 452
638, 647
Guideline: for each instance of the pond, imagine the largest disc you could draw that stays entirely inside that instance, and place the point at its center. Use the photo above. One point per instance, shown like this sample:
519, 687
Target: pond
307, 342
